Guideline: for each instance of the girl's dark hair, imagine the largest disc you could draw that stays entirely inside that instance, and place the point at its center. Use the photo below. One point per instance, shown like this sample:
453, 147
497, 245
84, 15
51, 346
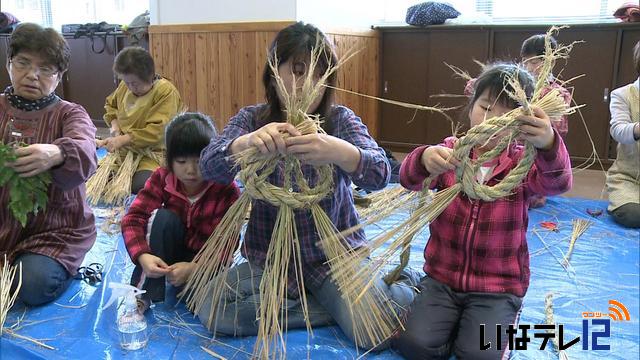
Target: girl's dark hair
186, 135
46, 42
636, 57
295, 42
534, 46
495, 78
137, 61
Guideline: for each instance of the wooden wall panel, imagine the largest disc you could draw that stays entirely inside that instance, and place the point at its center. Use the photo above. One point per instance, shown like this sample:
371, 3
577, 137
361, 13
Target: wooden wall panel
218, 67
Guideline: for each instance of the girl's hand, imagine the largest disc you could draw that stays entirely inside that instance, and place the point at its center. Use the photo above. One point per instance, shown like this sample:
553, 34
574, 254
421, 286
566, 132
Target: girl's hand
322, 149
179, 273
153, 266
439, 159
268, 139
35, 159
114, 143
537, 129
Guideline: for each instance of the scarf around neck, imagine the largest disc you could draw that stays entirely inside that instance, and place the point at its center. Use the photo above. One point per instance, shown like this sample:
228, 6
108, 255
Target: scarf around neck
24, 104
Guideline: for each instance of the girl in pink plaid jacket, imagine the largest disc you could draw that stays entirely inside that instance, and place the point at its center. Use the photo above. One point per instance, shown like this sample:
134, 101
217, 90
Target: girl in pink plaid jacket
476, 259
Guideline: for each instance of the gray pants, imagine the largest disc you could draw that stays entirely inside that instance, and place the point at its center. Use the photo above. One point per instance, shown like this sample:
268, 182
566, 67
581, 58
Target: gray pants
627, 215
443, 322
237, 310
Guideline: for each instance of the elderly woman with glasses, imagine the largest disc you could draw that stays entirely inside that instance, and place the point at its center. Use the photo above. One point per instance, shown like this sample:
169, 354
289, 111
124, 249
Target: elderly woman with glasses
50, 135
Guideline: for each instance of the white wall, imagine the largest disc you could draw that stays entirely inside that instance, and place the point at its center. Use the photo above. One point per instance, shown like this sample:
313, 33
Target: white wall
354, 14
165, 12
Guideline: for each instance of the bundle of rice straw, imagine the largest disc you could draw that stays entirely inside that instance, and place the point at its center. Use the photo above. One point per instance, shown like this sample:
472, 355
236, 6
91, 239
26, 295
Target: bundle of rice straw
579, 227
7, 275
373, 321
433, 205
111, 184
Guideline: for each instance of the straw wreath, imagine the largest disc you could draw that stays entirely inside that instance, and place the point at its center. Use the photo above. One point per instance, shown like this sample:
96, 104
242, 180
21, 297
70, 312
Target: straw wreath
432, 205
111, 184
373, 321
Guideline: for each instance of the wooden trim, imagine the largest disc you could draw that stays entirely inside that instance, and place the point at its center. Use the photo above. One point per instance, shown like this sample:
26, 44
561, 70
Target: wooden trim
220, 27
353, 32
251, 26
503, 27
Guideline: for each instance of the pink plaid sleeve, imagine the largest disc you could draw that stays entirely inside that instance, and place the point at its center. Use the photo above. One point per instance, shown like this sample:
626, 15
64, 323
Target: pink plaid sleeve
134, 223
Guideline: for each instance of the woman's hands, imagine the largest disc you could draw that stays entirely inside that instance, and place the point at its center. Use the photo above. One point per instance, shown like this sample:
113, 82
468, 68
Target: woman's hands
112, 144
36, 158
323, 149
313, 149
268, 139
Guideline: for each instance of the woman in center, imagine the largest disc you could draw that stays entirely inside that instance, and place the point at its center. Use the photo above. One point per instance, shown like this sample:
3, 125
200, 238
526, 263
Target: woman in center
346, 145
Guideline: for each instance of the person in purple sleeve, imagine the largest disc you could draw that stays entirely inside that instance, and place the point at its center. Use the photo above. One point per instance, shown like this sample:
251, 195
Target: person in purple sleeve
59, 138
347, 145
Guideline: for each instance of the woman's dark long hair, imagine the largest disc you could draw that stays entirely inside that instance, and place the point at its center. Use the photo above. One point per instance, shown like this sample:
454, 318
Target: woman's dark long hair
294, 42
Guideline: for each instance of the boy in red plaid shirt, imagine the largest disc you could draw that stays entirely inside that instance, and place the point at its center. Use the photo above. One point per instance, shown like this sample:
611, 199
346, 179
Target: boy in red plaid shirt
476, 259
176, 211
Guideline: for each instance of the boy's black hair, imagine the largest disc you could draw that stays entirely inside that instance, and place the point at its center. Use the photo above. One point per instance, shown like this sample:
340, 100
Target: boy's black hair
495, 78
534, 46
294, 42
186, 135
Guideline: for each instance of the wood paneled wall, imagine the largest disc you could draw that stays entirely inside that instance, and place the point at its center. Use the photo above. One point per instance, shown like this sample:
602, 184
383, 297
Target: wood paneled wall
218, 67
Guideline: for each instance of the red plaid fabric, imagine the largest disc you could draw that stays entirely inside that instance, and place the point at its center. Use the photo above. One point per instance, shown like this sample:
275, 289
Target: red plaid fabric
162, 191
479, 246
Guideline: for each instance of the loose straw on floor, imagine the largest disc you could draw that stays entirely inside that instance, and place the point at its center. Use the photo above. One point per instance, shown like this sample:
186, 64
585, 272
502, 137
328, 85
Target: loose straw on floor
7, 298
548, 319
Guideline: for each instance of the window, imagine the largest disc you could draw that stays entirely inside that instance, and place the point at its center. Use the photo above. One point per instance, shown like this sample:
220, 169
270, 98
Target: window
54, 13
519, 11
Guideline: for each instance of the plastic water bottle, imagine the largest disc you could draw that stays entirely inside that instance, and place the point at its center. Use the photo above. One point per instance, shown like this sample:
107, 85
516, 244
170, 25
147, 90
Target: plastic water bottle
132, 325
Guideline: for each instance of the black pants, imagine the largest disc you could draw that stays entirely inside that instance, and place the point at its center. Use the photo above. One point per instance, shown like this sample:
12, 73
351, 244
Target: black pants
139, 179
168, 243
442, 322
627, 215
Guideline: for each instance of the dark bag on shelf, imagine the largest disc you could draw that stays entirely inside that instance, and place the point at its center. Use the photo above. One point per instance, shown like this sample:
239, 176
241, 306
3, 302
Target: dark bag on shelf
430, 13
100, 30
139, 28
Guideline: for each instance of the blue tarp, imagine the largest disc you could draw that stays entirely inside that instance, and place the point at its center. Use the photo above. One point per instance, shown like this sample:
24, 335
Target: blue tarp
604, 266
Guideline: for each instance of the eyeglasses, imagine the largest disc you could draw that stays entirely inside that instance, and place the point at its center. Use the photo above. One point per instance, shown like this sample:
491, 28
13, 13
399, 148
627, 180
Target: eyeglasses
25, 65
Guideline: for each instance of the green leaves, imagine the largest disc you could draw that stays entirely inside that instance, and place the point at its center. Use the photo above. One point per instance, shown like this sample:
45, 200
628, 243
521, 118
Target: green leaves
26, 195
